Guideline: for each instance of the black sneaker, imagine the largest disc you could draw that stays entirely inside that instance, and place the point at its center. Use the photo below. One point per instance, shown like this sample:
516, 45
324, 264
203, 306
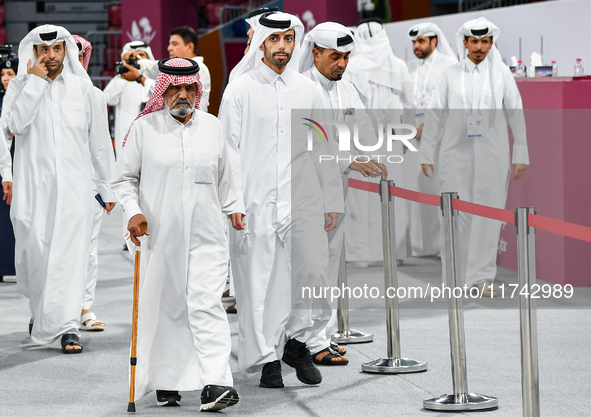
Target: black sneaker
217, 397
271, 376
168, 398
298, 356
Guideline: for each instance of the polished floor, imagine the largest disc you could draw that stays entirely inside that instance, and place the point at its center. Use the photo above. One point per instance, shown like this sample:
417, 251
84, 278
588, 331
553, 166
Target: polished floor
41, 381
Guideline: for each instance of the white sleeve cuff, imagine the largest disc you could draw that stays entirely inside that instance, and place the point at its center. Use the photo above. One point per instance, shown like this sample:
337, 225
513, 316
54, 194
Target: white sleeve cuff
6, 174
131, 208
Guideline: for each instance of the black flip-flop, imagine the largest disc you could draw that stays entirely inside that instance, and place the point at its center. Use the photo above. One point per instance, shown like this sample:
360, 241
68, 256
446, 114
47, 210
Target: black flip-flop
231, 309
71, 339
327, 359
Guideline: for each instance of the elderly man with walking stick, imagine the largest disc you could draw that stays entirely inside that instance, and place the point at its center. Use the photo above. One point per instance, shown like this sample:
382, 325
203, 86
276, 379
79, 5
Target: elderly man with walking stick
174, 174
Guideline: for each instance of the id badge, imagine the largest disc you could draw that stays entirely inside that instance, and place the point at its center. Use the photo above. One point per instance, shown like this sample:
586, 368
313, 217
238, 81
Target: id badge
475, 126
420, 108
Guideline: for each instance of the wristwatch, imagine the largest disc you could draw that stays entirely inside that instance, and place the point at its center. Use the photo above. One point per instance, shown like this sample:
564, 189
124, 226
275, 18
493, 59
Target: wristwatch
139, 79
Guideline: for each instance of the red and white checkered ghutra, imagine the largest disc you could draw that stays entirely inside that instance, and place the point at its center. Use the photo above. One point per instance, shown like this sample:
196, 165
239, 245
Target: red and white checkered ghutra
164, 81
86, 48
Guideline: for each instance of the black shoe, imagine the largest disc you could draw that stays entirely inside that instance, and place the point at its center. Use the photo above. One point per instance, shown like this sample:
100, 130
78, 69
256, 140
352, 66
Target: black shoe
168, 398
298, 356
217, 397
271, 376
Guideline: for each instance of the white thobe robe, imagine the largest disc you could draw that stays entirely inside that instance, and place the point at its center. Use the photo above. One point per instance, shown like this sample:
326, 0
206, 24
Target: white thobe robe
476, 168
97, 218
127, 98
59, 140
284, 246
150, 69
339, 96
178, 176
424, 219
5, 162
384, 105
8, 136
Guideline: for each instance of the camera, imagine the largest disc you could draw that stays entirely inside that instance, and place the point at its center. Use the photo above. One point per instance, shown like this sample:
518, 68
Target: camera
6, 52
120, 68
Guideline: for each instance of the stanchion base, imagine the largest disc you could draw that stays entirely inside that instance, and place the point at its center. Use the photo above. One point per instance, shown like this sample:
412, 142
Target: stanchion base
463, 402
394, 366
351, 336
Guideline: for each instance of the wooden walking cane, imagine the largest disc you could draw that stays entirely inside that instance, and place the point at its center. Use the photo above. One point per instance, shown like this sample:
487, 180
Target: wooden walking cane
136, 294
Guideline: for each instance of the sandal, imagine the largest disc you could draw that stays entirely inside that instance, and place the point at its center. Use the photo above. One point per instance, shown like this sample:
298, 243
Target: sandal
485, 290
89, 322
71, 339
341, 350
231, 309
328, 358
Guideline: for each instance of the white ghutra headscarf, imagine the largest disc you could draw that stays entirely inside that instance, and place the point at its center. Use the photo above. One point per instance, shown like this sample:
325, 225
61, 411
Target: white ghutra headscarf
48, 35
268, 24
373, 58
138, 46
431, 29
481, 28
329, 35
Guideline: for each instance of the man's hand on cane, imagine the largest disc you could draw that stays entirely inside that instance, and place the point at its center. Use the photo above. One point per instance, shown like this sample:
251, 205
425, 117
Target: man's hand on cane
237, 221
136, 229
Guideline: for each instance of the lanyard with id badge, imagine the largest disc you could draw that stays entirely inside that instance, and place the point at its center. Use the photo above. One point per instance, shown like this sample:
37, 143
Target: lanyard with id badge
474, 116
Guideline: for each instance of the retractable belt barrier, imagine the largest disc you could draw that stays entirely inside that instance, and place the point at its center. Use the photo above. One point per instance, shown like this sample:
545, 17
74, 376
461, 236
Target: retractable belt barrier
526, 222
548, 224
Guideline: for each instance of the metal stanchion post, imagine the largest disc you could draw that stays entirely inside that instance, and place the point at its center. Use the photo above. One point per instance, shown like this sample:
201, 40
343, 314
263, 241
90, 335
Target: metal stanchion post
527, 313
344, 335
394, 363
461, 399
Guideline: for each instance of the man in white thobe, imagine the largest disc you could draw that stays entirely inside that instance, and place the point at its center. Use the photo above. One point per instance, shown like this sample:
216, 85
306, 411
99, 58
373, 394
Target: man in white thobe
284, 247
59, 139
127, 97
174, 174
385, 88
6, 172
253, 22
88, 319
183, 43
434, 55
325, 56
472, 105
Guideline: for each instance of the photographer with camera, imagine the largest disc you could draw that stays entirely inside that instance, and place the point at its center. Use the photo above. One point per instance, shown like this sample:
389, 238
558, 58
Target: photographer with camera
183, 43
128, 97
